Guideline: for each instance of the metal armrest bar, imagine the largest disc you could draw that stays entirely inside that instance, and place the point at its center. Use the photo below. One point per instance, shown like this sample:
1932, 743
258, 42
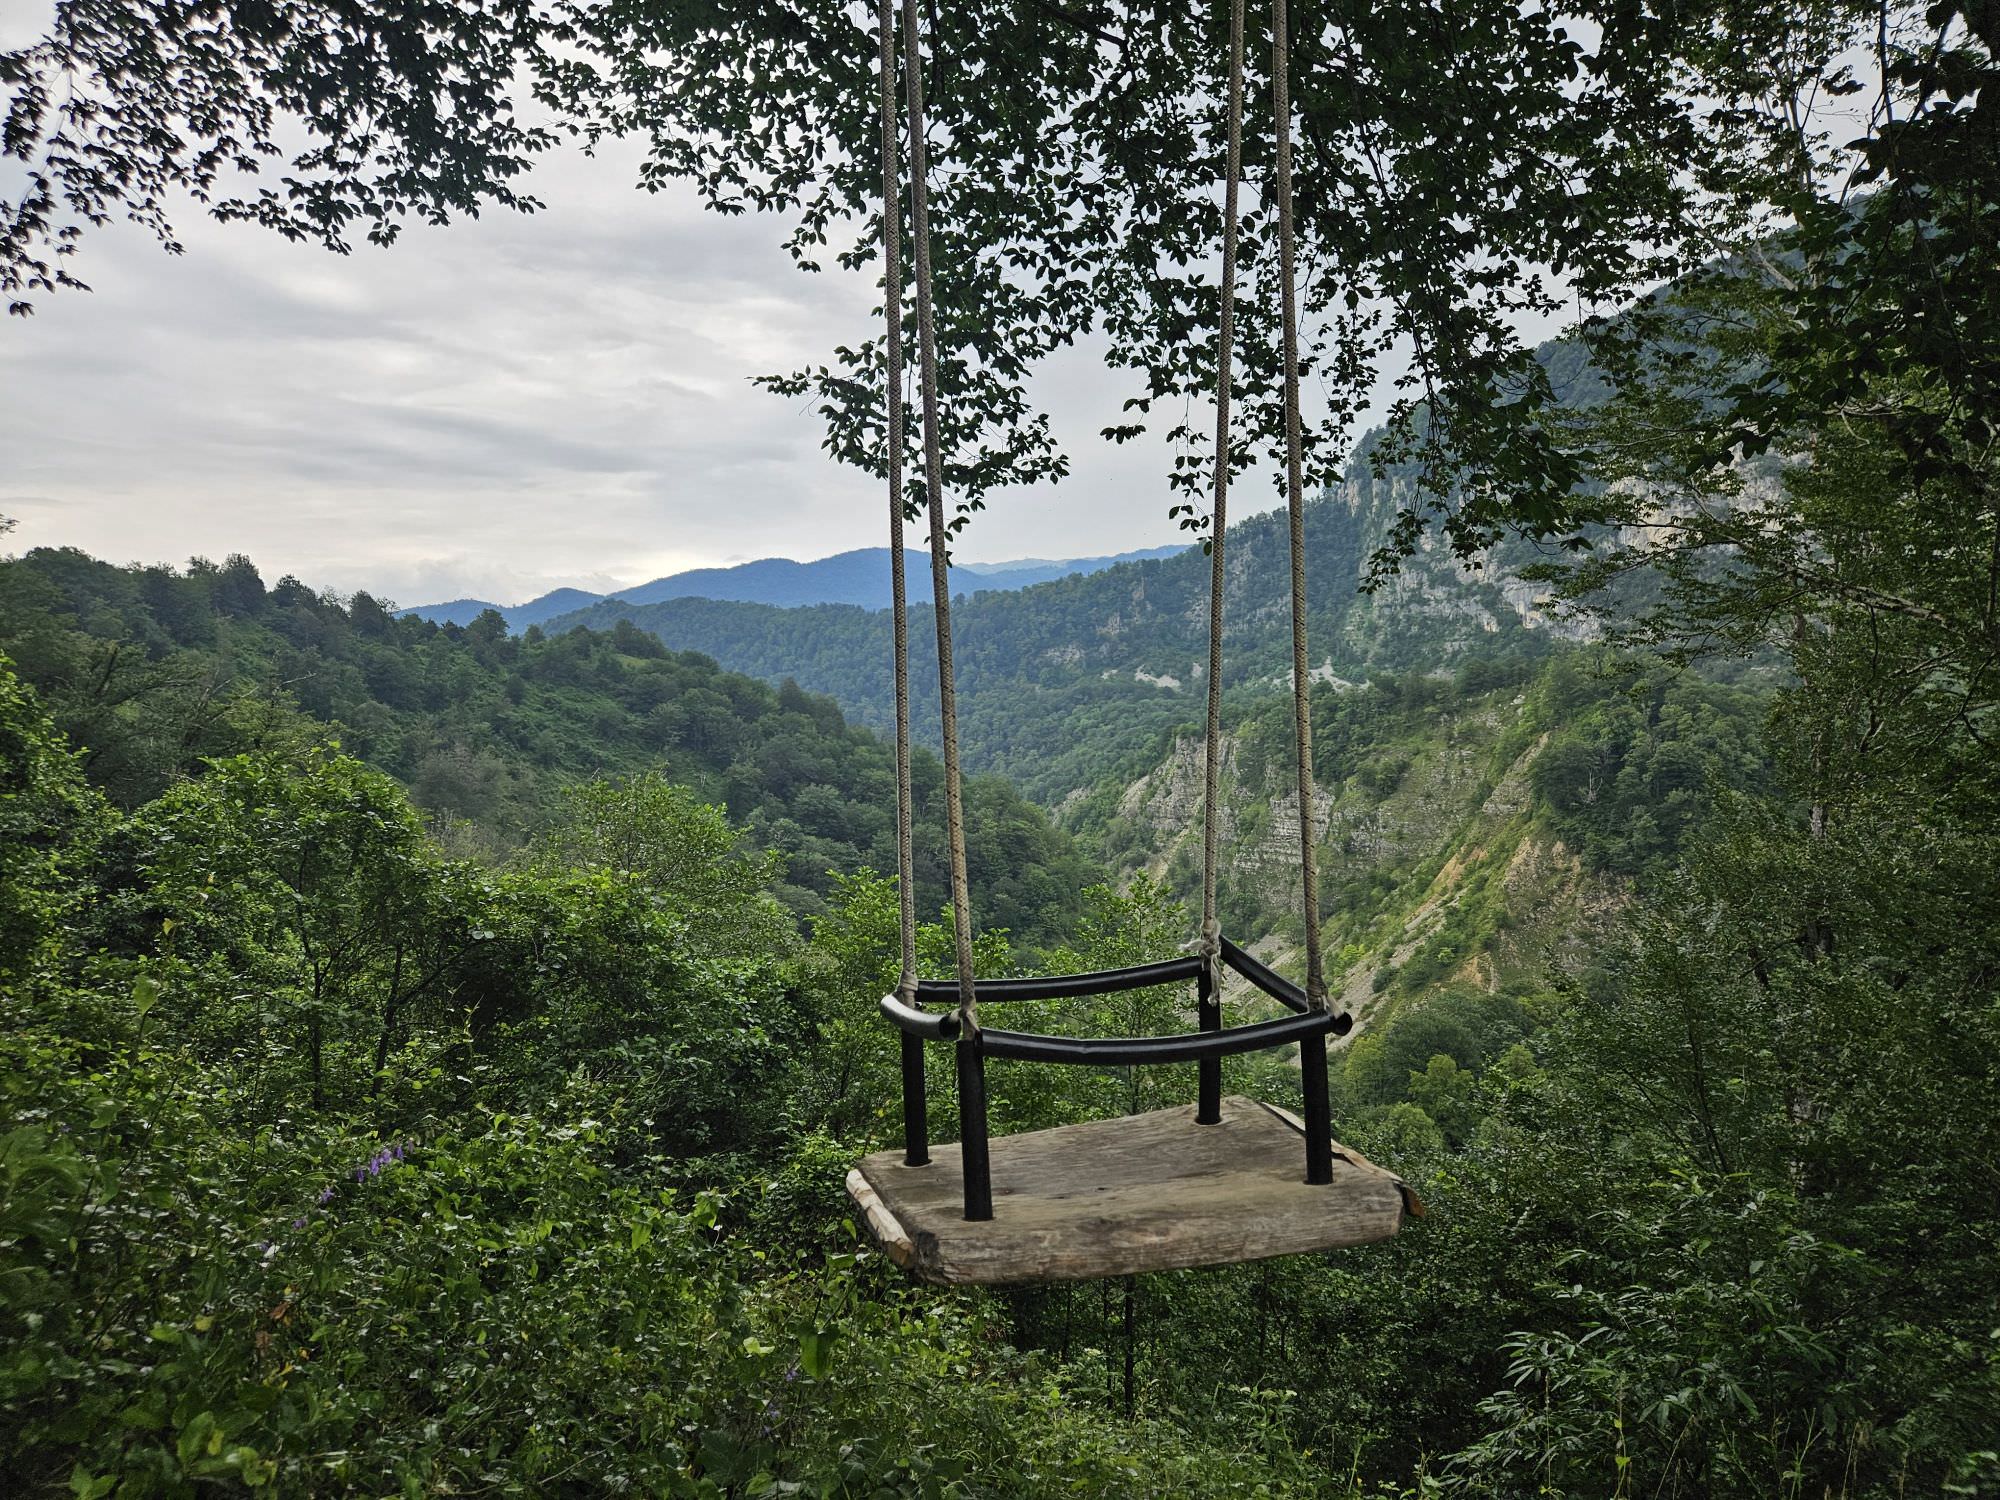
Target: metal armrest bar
1141, 1050
1268, 980
943, 1025
1308, 1027
1065, 986
938, 1025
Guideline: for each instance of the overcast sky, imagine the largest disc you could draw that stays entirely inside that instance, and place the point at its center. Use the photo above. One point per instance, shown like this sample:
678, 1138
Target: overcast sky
493, 409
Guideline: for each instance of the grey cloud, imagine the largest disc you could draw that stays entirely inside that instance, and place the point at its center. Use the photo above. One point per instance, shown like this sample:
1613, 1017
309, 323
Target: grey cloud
495, 408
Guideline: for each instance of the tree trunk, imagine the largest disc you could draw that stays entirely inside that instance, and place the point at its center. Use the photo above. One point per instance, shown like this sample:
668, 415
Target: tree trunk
389, 1010
313, 1054
1131, 1318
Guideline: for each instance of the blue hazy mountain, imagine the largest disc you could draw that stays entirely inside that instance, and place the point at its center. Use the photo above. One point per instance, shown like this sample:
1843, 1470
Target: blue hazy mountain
860, 577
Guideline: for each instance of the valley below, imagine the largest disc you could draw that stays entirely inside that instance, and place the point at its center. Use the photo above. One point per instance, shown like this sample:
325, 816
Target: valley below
605, 899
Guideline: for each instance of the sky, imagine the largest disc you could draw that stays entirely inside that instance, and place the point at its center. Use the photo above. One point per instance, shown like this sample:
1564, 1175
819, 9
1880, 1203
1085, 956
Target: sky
491, 409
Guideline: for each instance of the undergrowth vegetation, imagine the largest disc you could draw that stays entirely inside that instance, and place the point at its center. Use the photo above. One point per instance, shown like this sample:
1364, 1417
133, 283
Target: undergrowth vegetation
337, 1161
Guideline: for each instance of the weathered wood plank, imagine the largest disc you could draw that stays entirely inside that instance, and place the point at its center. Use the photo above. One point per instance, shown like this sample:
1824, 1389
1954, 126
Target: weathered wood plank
882, 1225
1151, 1192
1412, 1204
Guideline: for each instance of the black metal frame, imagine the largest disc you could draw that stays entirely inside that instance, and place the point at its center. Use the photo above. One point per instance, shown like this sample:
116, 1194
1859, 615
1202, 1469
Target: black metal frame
1206, 1047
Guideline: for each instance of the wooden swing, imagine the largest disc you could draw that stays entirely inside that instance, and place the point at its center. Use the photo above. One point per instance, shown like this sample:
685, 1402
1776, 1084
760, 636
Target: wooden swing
1214, 1183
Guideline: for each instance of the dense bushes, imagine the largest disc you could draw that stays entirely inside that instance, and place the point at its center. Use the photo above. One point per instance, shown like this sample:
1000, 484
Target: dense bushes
500, 1305
333, 1165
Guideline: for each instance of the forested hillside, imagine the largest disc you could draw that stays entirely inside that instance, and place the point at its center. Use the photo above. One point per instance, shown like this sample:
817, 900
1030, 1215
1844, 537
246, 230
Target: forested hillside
336, 1161
1058, 682
153, 669
1477, 829
336, 1164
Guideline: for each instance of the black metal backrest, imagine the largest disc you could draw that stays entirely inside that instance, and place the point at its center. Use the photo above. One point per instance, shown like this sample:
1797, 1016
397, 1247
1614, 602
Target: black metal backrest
1307, 1026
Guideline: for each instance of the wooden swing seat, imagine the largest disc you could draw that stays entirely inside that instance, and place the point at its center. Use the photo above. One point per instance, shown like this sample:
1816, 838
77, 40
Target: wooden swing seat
1176, 1188
1151, 1192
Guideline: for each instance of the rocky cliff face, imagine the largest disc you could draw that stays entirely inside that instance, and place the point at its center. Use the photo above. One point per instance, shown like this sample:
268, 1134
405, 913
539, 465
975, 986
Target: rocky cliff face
1434, 867
1465, 602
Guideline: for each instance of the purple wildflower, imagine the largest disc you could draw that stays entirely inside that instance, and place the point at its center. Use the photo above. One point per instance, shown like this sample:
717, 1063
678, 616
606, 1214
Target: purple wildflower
387, 1156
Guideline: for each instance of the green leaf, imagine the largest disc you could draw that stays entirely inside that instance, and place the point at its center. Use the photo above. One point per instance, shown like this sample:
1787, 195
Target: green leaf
816, 1352
196, 1435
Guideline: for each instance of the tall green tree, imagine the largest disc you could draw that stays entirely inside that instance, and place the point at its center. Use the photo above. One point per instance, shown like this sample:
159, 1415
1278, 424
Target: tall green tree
308, 880
681, 850
48, 817
1780, 1097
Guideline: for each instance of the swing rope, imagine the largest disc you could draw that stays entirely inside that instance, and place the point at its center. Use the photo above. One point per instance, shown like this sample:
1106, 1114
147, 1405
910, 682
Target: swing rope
892, 280
1211, 926
1211, 939
954, 809
1281, 115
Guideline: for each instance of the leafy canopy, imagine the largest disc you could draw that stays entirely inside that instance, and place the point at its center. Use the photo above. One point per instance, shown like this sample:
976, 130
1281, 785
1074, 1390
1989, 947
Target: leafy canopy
1461, 172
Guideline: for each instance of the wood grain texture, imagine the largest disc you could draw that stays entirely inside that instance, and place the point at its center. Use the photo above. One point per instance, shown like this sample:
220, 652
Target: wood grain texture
1413, 1206
1152, 1192
882, 1224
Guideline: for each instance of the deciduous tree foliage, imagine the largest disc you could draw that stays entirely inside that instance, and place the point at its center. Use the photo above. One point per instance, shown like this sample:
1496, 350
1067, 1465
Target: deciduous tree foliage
157, 669
318, 121
46, 808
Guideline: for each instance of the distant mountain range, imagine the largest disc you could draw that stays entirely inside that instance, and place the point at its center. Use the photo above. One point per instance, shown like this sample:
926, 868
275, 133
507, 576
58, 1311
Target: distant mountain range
860, 577
1057, 682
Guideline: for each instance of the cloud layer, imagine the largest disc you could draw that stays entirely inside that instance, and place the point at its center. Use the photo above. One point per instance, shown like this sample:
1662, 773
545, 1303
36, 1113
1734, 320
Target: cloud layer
494, 408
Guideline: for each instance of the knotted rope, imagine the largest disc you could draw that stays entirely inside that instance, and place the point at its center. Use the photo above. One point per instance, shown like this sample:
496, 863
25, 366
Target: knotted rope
954, 811
1281, 114
892, 282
